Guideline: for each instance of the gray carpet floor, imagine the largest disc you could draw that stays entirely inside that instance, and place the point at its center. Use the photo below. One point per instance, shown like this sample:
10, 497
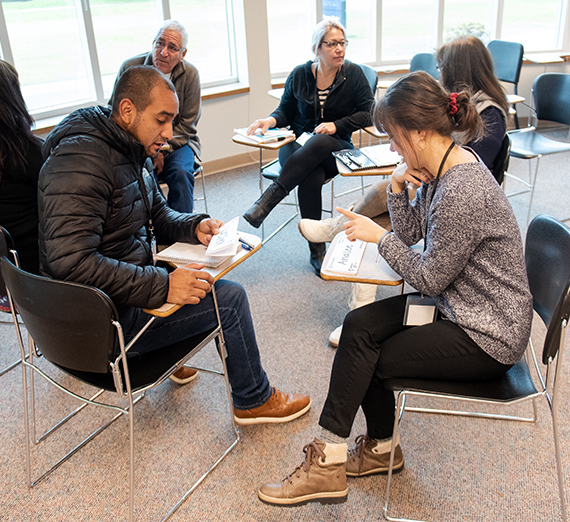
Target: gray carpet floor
456, 468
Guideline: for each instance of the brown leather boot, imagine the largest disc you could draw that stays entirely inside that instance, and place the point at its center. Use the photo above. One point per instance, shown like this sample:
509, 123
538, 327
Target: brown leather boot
281, 407
184, 375
320, 478
363, 459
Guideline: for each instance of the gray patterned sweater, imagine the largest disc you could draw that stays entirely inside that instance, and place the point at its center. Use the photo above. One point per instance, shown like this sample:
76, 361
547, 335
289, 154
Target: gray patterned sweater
473, 263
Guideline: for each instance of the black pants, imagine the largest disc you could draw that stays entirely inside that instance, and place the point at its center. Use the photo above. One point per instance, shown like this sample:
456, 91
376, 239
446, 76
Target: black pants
375, 345
309, 167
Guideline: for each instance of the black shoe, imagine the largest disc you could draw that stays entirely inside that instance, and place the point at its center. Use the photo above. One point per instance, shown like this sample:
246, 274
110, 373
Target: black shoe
265, 204
317, 256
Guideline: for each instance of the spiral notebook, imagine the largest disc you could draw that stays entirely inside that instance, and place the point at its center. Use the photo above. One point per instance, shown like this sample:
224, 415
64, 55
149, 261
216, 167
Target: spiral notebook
366, 158
184, 253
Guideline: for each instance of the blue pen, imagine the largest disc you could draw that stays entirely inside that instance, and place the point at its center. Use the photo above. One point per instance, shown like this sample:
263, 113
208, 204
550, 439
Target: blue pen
245, 244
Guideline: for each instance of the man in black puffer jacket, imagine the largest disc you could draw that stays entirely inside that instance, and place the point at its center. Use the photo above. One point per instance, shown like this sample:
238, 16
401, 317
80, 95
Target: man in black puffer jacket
99, 208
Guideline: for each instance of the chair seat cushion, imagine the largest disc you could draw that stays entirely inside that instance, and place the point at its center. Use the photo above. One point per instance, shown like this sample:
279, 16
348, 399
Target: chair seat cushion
272, 170
147, 368
529, 144
515, 384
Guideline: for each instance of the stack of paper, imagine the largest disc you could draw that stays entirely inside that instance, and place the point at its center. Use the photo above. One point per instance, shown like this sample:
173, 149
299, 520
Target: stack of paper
270, 136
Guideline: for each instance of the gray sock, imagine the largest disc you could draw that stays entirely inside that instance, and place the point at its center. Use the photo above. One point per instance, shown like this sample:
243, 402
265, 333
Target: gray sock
328, 437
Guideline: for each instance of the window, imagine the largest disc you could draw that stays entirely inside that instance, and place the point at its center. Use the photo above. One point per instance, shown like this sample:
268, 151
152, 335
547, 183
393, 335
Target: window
122, 29
290, 25
210, 38
49, 52
68, 52
408, 27
412, 26
537, 33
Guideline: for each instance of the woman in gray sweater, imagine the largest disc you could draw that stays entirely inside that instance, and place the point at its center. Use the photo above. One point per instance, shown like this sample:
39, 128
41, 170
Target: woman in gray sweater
472, 266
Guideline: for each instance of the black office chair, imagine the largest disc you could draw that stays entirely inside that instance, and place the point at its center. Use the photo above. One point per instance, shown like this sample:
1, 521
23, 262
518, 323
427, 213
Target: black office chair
547, 258
7, 250
425, 62
76, 328
551, 93
508, 60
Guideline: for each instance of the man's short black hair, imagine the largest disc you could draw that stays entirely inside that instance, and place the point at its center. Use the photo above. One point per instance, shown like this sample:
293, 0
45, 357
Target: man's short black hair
136, 84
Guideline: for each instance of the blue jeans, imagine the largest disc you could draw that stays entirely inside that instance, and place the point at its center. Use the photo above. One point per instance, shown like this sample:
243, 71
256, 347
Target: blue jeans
249, 383
178, 174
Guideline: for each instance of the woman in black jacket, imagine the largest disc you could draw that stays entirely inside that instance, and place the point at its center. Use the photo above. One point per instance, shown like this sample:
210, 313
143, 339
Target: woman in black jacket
328, 98
20, 163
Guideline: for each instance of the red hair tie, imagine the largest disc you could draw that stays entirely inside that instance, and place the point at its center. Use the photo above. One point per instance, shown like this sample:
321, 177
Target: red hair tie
453, 103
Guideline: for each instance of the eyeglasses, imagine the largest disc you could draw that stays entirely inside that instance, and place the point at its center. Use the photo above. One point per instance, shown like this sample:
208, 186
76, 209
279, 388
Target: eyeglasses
331, 44
161, 44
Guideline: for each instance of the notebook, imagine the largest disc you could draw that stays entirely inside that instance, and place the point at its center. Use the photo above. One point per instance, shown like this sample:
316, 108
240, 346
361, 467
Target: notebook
346, 256
222, 246
366, 158
184, 253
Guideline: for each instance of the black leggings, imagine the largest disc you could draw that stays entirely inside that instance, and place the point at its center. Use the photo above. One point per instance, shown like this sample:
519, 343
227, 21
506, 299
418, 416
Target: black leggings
309, 167
375, 345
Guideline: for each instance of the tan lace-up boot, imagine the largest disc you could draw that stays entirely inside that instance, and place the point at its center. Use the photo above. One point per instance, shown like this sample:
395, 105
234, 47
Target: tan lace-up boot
320, 478
368, 458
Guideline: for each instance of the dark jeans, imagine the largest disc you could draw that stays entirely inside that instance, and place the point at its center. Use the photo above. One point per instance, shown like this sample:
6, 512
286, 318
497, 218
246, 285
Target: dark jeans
375, 345
309, 167
178, 174
250, 386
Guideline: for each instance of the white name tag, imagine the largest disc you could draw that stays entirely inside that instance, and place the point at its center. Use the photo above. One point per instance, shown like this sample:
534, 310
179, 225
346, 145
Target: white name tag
419, 310
304, 138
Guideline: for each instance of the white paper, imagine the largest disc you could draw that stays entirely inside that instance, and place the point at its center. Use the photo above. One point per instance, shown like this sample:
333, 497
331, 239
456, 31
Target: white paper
226, 242
346, 257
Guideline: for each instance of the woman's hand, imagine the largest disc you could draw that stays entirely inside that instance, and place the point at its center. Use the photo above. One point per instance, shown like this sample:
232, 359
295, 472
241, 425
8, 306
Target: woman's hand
361, 227
207, 228
403, 174
266, 123
326, 128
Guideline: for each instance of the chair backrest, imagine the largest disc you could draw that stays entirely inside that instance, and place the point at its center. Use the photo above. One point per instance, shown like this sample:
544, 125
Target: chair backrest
552, 97
508, 59
425, 62
547, 257
6, 244
70, 323
371, 76
501, 163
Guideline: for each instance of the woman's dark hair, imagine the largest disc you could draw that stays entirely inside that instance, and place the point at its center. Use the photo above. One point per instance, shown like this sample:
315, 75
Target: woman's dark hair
15, 121
466, 63
418, 102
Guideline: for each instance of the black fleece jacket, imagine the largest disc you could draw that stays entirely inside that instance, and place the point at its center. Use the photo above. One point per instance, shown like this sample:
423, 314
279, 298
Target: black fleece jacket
93, 219
349, 104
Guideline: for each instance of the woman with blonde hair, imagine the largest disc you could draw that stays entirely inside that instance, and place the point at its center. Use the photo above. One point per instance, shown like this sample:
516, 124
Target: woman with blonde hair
327, 98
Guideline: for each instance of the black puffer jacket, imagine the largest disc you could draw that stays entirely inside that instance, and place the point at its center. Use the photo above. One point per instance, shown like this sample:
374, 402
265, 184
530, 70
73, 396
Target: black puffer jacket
93, 220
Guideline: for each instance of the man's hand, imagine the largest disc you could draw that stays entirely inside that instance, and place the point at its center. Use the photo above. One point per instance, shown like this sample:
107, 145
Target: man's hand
188, 284
361, 227
326, 128
158, 163
207, 228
